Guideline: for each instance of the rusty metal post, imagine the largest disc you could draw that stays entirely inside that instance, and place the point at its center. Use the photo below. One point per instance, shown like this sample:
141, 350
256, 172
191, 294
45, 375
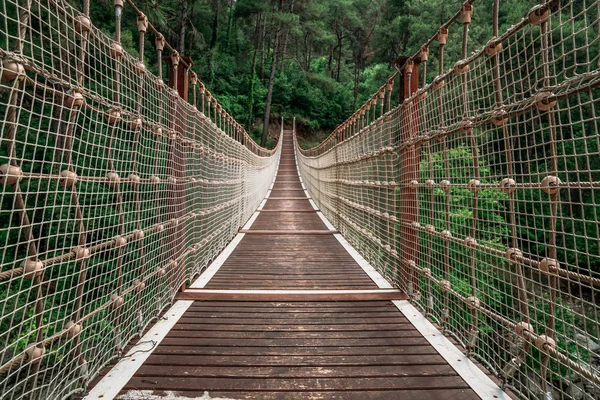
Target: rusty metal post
176, 165
409, 173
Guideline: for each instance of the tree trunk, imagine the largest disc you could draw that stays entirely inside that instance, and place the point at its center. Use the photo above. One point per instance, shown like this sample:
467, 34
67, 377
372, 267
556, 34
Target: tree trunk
255, 41
215, 24
262, 46
356, 81
265, 132
285, 40
331, 51
229, 23
339, 59
251, 94
183, 27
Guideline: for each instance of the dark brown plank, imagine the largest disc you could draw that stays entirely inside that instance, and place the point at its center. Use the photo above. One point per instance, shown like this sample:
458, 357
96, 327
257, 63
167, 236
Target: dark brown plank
397, 360
288, 232
271, 384
445, 394
191, 295
297, 372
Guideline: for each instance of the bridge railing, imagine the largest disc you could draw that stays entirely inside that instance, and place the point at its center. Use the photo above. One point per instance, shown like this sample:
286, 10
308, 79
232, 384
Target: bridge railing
478, 192
114, 190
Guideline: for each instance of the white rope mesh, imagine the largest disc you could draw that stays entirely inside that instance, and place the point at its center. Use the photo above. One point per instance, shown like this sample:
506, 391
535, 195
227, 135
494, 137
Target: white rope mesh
114, 191
478, 193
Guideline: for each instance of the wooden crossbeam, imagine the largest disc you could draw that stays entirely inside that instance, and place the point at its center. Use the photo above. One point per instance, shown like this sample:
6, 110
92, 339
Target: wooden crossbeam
292, 295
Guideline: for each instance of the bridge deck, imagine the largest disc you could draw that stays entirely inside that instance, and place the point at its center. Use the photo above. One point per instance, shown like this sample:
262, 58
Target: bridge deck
264, 346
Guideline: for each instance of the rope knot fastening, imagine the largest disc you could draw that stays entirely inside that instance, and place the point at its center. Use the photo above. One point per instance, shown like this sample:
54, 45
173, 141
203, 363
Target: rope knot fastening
118, 3
140, 68
473, 303
159, 83
138, 234
408, 66
139, 285
466, 13
442, 36
73, 99
508, 185
32, 268
538, 14
159, 42
424, 53
73, 329
499, 117
513, 254
550, 184
461, 67
113, 116
524, 329
175, 59
142, 23
470, 242
119, 241
116, 50
34, 353
117, 301
545, 101
549, 266
193, 78
390, 85
429, 183
474, 185
465, 126
493, 47
67, 178
12, 70
10, 174
545, 344
438, 82
444, 285
446, 235
136, 123
445, 185
113, 179
82, 24
81, 253
133, 179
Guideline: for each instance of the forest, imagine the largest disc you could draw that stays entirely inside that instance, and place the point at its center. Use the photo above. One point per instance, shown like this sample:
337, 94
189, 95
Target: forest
316, 60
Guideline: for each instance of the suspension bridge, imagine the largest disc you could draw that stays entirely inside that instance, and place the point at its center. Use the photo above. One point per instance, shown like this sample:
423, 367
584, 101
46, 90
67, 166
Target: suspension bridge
443, 242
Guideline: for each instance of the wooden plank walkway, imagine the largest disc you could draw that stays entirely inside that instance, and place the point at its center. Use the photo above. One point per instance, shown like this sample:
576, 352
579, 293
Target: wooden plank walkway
240, 345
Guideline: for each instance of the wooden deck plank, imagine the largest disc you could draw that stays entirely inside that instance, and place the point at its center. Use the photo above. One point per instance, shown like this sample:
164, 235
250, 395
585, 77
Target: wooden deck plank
322, 343
292, 262
329, 361
271, 384
297, 372
449, 394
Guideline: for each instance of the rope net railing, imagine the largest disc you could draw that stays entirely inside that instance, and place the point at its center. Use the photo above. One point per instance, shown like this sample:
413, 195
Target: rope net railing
114, 191
478, 192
